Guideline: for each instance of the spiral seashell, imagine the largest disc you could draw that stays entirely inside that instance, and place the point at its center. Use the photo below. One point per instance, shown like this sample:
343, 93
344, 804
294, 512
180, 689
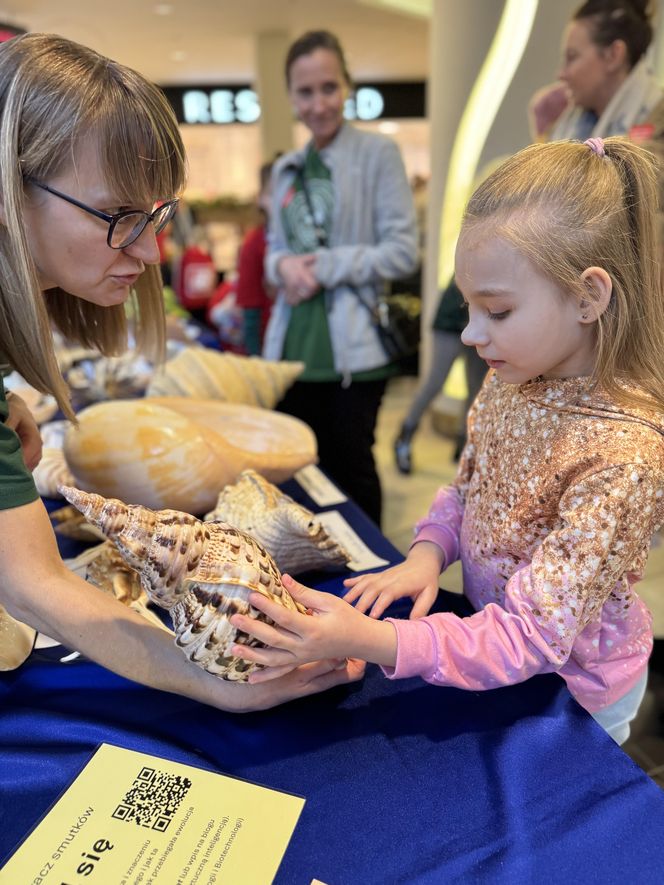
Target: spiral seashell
201, 572
208, 374
178, 452
291, 533
51, 472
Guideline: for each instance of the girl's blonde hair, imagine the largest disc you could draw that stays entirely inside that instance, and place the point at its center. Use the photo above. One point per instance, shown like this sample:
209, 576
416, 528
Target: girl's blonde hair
566, 208
53, 94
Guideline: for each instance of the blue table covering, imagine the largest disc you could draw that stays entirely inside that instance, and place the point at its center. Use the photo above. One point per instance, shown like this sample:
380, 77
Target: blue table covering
404, 782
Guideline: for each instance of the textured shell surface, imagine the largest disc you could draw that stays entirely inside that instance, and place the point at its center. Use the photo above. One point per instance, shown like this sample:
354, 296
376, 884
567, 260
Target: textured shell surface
207, 374
201, 572
178, 453
51, 472
290, 532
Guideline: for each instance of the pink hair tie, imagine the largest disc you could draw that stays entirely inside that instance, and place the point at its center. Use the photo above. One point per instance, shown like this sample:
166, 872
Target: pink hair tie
596, 145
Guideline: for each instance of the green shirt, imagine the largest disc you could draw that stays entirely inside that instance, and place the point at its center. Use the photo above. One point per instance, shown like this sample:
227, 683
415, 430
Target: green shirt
308, 335
17, 486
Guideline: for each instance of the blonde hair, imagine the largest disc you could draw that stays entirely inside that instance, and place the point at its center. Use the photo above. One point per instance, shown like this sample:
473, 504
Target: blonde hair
566, 209
53, 93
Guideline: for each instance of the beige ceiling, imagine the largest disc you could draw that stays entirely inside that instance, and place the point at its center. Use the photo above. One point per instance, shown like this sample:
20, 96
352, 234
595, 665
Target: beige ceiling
212, 41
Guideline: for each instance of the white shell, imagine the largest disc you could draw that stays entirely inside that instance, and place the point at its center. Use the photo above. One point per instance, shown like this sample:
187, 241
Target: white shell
177, 453
207, 374
16, 641
289, 532
51, 472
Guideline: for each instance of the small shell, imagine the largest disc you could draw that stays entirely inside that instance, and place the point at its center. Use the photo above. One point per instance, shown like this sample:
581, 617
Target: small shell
51, 472
291, 533
16, 641
201, 572
207, 374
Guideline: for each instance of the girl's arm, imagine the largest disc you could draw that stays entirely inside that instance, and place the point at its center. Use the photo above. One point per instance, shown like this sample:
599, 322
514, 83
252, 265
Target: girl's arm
607, 519
395, 253
38, 589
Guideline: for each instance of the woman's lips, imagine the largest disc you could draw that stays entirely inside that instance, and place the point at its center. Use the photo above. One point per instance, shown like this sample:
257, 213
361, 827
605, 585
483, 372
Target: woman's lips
494, 364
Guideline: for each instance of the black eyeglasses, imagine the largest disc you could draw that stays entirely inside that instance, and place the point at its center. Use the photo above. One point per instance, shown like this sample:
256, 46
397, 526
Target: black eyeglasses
124, 227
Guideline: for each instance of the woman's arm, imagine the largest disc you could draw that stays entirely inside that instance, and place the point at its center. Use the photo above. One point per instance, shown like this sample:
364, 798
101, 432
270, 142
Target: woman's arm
395, 252
39, 590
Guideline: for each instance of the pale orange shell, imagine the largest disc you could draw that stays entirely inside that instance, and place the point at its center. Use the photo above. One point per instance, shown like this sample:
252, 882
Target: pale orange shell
178, 453
201, 572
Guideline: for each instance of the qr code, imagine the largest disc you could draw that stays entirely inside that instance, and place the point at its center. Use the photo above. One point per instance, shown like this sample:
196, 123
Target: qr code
153, 799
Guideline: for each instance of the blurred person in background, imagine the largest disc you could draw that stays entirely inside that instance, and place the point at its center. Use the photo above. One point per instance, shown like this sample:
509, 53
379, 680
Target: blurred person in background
342, 223
605, 87
252, 293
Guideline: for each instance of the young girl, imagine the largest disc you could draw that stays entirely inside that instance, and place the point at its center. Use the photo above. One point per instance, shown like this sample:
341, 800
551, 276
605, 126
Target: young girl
561, 483
90, 162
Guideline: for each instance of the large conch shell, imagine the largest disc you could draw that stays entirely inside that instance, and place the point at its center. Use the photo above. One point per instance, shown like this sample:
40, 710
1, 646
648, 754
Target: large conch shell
292, 534
208, 374
201, 572
178, 453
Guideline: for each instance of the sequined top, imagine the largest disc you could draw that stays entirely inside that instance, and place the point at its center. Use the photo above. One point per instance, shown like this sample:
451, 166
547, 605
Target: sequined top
558, 493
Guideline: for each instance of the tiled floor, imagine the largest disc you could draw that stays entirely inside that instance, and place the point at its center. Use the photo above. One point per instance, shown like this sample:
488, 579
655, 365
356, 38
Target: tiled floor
406, 498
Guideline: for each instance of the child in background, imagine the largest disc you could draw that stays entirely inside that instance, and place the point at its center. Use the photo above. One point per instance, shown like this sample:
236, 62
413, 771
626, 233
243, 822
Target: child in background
561, 483
251, 290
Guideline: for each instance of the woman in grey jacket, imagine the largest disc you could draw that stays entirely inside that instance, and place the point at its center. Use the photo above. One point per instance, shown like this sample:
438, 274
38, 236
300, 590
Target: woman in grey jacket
342, 223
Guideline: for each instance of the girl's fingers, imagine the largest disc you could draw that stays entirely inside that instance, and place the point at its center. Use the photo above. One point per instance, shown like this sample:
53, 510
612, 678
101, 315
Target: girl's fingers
268, 657
422, 604
278, 613
265, 633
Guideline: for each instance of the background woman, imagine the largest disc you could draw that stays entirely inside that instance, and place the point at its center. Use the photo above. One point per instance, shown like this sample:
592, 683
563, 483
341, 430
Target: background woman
606, 85
88, 148
342, 223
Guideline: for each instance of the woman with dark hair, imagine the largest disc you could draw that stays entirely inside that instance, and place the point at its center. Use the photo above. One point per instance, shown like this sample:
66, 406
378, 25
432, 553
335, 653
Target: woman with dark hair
606, 86
342, 224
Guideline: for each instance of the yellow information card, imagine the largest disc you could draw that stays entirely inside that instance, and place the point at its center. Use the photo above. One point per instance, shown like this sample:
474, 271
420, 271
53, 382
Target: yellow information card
134, 819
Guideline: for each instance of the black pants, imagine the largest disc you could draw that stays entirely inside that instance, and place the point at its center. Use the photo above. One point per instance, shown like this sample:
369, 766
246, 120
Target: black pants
344, 421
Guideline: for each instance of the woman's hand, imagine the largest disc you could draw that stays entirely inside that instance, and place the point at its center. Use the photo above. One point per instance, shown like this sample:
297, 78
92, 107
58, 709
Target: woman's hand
546, 106
333, 630
299, 278
300, 682
417, 577
20, 420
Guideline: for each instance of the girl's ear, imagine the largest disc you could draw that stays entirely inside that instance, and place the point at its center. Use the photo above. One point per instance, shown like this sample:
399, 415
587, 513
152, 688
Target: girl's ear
599, 287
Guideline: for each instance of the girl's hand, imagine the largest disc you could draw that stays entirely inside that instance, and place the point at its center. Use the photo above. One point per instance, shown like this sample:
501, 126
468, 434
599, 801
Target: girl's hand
298, 275
333, 630
417, 577
20, 420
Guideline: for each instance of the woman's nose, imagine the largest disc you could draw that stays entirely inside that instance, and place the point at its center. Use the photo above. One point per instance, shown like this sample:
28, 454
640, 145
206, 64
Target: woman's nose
145, 247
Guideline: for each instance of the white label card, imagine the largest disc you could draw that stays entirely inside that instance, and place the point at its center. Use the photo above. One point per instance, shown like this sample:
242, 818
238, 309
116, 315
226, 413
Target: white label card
362, 558
319, 488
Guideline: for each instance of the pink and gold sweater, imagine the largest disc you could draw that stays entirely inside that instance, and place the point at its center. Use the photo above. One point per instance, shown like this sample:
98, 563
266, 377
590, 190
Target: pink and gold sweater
558, 493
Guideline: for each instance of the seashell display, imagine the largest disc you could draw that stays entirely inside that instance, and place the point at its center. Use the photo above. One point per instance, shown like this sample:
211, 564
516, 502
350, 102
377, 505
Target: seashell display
288, 531
102, 378
202, 573
178, 453
207, 374
68, 522
103, 567
16, 641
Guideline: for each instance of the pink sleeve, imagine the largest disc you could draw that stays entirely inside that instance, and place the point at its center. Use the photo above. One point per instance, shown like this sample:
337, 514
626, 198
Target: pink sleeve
548, 602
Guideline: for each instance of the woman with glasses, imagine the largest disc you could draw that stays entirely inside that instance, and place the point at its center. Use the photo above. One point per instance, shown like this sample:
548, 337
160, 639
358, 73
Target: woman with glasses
91, 161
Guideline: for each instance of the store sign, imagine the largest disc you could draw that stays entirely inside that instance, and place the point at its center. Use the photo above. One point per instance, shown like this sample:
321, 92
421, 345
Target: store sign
240, 104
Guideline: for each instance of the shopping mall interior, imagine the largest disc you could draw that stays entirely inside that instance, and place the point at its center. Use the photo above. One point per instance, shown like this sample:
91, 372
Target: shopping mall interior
451, 83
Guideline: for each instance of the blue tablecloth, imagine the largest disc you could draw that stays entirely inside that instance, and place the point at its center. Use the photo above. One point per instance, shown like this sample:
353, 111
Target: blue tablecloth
404, 782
